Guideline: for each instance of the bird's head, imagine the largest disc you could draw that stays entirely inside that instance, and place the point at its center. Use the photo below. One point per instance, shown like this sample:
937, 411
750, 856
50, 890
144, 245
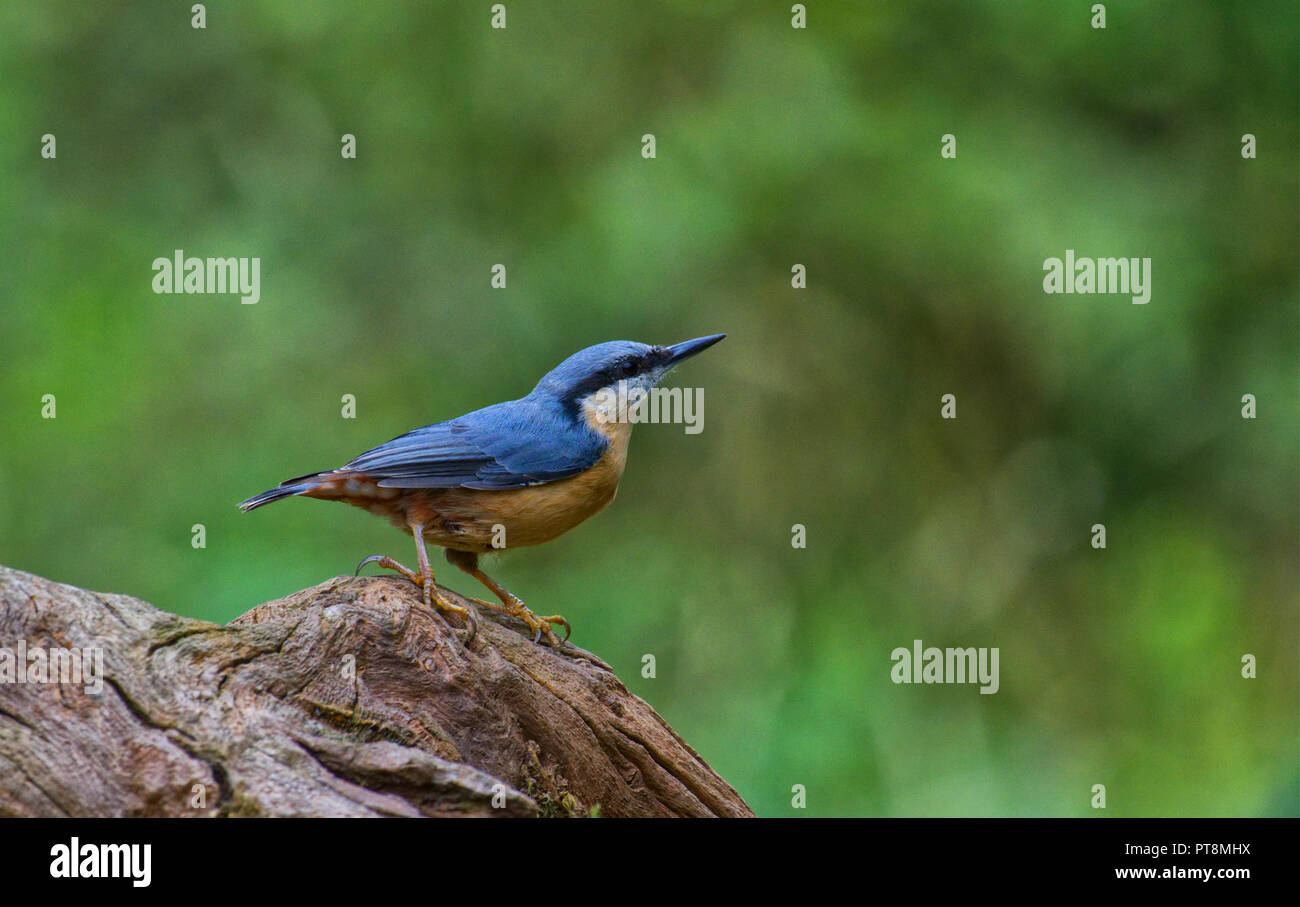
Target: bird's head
619, 368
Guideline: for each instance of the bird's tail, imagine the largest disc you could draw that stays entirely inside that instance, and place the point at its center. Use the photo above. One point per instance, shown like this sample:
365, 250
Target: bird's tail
285, 489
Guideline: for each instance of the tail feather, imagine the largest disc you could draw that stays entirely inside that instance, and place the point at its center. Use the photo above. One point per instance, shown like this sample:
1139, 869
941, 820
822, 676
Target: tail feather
284, 490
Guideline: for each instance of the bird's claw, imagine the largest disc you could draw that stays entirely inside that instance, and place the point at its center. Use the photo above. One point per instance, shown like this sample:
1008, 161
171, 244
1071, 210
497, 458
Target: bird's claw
471, 625
542, 626
425, 584
557, 619
369, 560
433, 599
388, 563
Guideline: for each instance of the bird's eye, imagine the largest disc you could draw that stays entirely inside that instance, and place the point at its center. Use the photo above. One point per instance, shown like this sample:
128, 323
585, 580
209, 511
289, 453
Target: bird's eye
626, 368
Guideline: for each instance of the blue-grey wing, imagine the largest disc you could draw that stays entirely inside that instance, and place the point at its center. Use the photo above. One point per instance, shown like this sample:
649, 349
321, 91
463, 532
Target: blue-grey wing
503, 446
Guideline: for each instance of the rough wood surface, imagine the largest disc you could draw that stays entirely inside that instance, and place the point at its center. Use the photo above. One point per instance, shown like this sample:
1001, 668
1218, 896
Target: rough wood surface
346, 699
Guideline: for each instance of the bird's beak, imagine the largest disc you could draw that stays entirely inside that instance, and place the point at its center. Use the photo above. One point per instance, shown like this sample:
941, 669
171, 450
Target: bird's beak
687, 348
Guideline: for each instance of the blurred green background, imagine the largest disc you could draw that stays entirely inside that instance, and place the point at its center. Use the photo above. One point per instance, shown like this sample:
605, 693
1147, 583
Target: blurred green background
776, 146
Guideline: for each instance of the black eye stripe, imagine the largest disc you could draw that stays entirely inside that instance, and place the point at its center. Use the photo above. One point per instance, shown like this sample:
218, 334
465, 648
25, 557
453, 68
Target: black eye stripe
623, 368
626, 368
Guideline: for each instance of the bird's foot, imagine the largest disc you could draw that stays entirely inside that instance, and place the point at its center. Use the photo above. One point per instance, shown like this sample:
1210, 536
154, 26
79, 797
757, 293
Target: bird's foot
539, 624
432, 597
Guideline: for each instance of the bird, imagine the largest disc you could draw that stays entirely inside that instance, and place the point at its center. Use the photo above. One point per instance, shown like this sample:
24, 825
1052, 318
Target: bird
510, 475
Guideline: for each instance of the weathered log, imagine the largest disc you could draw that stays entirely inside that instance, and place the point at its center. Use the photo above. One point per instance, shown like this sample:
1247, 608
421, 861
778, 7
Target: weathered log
347, 699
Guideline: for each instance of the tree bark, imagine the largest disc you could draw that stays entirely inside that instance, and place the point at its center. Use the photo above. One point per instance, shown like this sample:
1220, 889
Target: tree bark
347, 699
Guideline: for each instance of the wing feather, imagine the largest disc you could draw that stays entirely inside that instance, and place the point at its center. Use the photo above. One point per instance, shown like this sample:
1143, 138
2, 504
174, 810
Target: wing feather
509, 445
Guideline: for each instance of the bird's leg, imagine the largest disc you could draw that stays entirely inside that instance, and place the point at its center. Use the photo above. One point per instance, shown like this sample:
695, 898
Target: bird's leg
423, 579
510, 604
431, 595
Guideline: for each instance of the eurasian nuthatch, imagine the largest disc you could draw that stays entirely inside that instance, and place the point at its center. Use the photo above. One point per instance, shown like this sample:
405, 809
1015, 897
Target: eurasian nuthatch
516, 473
